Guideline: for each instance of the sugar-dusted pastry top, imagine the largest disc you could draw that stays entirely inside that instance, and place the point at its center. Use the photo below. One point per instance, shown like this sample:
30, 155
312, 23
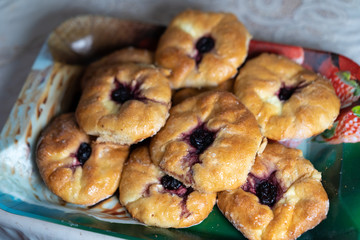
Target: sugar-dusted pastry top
125, 104
209, 142
202, 48
282, 198
75, 168
288, 101
156, 199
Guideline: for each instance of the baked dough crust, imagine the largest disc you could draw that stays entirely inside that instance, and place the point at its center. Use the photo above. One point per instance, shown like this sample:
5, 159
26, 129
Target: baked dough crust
98, 178
310, 110
133, 120
176, 49
145, 198
184, 93
124, 55
227, 161
303, 205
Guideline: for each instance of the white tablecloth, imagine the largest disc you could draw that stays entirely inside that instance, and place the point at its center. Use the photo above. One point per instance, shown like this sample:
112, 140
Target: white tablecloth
24, 26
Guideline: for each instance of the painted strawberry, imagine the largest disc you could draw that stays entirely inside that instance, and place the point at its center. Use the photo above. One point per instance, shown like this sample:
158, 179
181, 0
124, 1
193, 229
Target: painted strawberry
346, 87
346, 128
344, 76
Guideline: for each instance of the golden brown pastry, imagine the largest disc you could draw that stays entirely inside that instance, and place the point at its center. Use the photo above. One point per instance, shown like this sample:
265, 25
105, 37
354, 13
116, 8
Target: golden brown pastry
282, 198
209, 142
156, 199
288, 101
75, 168
202, 48
184, 93
124, 55
126, 104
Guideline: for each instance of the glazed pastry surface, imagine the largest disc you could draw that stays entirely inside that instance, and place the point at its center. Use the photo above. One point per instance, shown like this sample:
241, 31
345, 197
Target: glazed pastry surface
156, 199
75, 168
125, 104
282, 198
288, 101
124, 55
209, 142
202, 48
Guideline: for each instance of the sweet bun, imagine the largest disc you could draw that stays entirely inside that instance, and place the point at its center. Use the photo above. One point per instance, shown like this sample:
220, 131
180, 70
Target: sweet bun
209, 142
124, 55
202, 48
288, 101
156, 199
75, 168
125, 104
282, 198
184, 93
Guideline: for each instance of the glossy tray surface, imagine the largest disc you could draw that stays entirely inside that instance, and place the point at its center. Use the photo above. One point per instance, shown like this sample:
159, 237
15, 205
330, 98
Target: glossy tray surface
51, 88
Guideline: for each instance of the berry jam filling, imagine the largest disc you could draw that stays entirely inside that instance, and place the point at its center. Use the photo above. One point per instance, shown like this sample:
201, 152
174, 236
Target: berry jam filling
285, 93
191, 158
187, 162
123, 93
268, 190
170, 183
83, 153
184, 210
203, 45
201, 138
174, 186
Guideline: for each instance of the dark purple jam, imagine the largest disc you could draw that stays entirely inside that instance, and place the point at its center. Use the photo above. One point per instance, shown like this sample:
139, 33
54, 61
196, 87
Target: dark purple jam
201, 138
170, 183
268, 190
285, 93
203, 45
188, 161
83, 153
184, 210
174, 186
123, 92
191, 158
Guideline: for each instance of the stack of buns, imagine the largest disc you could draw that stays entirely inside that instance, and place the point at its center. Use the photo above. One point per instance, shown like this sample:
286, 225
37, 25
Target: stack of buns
204, 127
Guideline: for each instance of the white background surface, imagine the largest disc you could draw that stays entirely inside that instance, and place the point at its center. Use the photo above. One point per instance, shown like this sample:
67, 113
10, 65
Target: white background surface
24, 26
